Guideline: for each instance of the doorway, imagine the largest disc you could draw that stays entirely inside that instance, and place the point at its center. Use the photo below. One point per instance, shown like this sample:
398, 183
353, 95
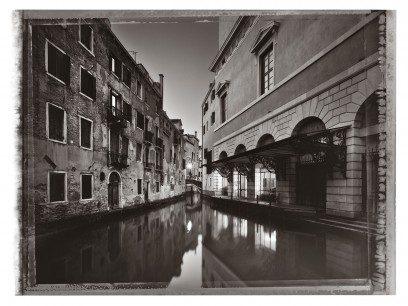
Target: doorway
311, 185
113, 190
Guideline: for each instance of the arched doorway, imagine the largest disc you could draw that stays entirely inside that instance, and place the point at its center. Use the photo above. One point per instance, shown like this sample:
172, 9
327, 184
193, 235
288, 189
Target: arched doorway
114, 190
239, 180
311, 177
265, 181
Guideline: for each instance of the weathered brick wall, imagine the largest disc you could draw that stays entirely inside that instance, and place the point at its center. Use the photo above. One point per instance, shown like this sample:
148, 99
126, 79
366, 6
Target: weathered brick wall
70, 157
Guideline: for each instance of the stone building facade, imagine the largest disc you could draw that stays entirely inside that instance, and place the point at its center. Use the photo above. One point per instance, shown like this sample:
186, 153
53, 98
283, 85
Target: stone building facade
294, 103
93, 134
191, 156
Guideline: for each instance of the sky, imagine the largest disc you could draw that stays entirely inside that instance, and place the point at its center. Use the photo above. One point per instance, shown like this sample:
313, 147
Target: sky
182, 50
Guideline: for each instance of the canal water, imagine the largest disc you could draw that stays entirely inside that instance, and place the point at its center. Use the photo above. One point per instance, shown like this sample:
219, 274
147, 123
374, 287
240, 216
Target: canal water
191, 244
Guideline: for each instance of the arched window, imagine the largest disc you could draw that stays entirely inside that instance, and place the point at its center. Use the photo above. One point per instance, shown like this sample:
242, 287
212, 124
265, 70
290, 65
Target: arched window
265, 140
309, 125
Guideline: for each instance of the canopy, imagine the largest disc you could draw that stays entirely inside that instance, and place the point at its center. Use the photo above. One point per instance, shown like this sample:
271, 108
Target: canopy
328, 146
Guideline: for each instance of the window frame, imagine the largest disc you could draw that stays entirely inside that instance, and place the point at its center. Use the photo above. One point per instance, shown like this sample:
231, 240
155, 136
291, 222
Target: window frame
260, 57
123, 79
47, 127
49, 189
127, 116
92, 186
139, 191
224, 96
112, 60
46, 61
141, 90
141, 152
80, 133
80, 83
81, 22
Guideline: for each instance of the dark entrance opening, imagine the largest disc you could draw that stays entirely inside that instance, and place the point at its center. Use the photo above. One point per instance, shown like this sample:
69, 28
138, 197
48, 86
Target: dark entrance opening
113, 190
310, 173
147, 192
311, 185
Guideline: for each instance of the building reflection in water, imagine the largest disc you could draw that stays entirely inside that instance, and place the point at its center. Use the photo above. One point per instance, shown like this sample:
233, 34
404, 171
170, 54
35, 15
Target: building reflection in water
241, 253
189, 246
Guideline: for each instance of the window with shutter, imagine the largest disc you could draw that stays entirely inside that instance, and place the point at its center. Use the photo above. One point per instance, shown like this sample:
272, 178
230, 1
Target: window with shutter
88, 84
140, 120
56, 123
116, 66
139, 90
56, 186
86, 133
126, 76
86, 34
58, 63
127, 111
138, 151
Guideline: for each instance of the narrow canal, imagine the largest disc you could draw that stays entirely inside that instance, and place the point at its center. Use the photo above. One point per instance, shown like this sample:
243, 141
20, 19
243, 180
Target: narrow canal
191, 245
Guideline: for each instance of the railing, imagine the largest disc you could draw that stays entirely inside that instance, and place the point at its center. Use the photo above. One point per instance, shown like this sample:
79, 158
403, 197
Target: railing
117, 118
263, 195
148, 137
117, 159
159, 142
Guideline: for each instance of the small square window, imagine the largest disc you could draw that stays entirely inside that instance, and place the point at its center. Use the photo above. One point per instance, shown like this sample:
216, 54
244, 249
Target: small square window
157, 186
86, 186
56, 123
86, 37
88, 84
57, 186
86, 133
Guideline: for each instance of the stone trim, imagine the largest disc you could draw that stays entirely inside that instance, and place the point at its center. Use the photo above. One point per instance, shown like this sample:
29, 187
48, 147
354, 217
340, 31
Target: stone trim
319, 91
314, 59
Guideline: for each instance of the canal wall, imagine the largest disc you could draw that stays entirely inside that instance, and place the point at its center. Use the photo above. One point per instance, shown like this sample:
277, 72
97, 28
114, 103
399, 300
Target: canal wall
79, 221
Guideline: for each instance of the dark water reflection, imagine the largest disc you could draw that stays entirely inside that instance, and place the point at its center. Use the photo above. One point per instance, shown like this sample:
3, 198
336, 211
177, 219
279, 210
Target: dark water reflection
189, 245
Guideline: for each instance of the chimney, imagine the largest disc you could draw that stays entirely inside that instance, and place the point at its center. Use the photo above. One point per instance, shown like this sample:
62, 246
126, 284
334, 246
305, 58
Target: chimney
161, 83
195, 133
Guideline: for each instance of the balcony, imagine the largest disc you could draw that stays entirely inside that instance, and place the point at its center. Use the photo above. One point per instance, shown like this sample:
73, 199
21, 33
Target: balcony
148, 137
117, 119
117, 160
176, 140
159, 142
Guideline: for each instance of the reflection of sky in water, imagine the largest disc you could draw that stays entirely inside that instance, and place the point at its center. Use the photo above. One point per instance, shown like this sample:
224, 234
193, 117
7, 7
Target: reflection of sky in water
190, 276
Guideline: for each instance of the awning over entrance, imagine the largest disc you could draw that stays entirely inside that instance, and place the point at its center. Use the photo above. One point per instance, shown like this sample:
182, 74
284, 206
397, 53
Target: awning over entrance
328, 147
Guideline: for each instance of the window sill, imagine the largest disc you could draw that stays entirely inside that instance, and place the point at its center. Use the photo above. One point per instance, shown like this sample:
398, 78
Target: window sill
84, 95
55, 78
56, 202
57, 141
87, 149
128, 87
86, 48
86, 200
113, 73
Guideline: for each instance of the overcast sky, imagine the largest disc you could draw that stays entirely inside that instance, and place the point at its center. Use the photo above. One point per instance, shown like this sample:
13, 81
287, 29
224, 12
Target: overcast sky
182, 50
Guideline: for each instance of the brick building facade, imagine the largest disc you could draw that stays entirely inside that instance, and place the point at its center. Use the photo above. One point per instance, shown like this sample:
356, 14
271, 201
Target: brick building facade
93, 123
